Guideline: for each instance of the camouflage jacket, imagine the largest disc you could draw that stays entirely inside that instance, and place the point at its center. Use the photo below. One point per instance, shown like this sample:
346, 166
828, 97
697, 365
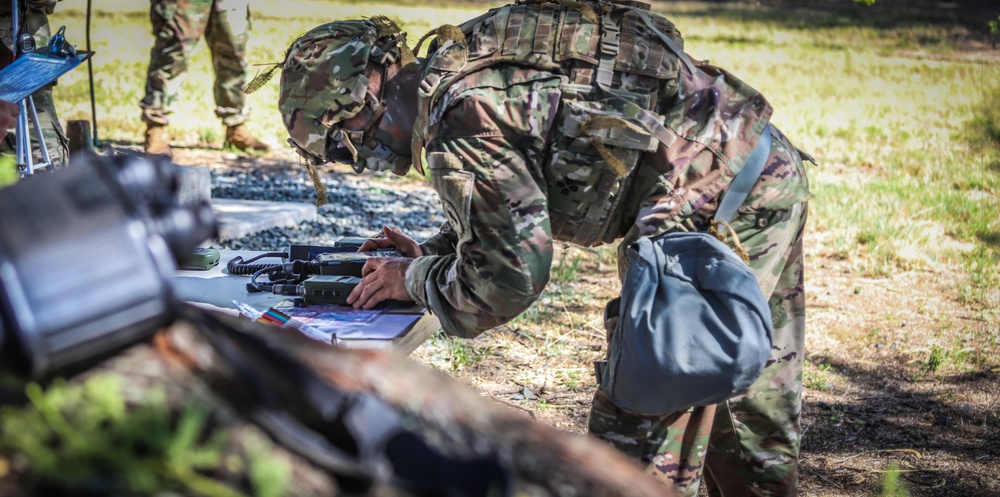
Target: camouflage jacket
577, 123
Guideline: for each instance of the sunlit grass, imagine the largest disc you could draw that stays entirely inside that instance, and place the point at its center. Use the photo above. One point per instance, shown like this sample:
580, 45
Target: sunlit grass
122, 39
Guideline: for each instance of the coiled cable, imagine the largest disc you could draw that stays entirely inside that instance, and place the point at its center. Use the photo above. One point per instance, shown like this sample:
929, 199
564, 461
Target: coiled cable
240, 267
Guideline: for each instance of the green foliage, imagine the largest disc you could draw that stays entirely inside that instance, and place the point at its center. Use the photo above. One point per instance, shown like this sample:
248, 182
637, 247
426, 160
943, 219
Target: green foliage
87, 437
891, 486
8, 170
569, 378
567, 269
934, 359
269, 476
817, 380
954, 356
836, 416
462, 353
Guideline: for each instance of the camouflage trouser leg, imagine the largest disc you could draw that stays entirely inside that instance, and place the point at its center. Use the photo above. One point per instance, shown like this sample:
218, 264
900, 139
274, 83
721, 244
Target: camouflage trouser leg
177, 26
755, 442
227, 34
748, 445
37, 23
672, 446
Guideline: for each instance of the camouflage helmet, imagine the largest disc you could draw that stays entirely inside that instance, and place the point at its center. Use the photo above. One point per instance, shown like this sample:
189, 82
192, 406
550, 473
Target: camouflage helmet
323, 83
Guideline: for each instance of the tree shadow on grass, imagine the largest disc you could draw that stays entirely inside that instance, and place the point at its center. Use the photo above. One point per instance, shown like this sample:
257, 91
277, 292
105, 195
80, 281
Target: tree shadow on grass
945, 439
828, 14
989, 238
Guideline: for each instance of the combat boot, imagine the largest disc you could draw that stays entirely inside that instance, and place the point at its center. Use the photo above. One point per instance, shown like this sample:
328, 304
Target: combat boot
157, 141
239, 137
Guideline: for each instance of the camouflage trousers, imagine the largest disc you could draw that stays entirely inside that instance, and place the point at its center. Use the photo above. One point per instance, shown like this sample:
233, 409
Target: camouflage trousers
748, 445
37, 23
177, 26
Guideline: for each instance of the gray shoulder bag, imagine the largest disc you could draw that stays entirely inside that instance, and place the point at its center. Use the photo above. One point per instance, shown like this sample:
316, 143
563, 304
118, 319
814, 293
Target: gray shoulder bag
695, 328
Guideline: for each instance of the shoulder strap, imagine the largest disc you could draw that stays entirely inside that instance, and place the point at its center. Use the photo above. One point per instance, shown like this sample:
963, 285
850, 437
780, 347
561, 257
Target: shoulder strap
671, 44
611, 40
745, 179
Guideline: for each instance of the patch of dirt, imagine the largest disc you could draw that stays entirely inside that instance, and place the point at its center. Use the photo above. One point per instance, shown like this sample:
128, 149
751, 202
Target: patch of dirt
912, 382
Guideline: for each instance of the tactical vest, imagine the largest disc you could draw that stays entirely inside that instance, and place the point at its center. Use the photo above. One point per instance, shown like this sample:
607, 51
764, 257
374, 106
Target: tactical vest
618, 62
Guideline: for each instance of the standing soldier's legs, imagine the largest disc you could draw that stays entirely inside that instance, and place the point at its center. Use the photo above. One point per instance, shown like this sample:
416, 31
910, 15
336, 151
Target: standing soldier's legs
37, 23
227, 34
177, 26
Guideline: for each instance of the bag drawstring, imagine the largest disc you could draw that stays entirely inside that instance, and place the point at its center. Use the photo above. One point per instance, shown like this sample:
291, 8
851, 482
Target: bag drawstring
737, 247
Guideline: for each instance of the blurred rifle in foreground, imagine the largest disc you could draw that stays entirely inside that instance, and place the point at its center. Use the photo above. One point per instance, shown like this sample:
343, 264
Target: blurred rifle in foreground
86, 259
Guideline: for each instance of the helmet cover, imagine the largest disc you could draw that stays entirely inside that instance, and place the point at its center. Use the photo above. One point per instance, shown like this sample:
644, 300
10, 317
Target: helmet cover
323, 83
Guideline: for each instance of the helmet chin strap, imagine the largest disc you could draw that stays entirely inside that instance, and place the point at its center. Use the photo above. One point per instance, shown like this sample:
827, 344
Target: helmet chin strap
366, 138
369, 139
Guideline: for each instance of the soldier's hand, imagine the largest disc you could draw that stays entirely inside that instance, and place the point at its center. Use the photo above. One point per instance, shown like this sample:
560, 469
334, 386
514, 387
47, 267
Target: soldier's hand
382, 278
8, 117
394, 237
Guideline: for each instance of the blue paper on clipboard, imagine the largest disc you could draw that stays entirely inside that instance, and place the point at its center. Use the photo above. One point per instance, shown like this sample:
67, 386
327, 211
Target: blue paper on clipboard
34, 70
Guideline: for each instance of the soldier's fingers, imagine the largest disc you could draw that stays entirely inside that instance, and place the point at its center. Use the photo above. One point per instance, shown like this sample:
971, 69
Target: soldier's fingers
368, 246
371, 295
356, 293
360, 292
404, 244
374, 299
371, 265
358, 296
374, 244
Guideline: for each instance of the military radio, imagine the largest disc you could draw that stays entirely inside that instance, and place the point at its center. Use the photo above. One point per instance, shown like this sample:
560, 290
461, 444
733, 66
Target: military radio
200, 259
328, 289
317, 274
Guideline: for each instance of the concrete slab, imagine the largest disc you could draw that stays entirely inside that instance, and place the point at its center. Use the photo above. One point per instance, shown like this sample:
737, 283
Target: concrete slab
240, 218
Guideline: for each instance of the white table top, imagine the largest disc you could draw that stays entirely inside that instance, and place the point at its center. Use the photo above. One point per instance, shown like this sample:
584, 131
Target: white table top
217, 289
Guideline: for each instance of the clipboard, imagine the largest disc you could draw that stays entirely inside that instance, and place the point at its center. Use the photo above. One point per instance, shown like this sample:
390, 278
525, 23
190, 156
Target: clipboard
33, 70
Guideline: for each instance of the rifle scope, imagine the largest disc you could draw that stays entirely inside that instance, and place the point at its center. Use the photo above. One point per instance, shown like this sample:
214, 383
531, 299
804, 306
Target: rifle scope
87, 254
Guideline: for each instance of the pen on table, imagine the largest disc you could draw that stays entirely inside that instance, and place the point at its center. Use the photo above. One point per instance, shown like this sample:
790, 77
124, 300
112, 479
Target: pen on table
277, 319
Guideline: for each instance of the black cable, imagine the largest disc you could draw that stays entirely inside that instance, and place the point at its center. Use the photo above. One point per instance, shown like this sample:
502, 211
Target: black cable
240, 267
253, 286
90, 75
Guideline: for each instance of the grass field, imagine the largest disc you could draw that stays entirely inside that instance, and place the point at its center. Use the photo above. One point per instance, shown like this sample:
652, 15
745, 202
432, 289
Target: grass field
903, 241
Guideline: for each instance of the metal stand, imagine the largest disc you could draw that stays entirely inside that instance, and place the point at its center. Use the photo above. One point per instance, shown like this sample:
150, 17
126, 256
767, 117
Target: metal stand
22, 150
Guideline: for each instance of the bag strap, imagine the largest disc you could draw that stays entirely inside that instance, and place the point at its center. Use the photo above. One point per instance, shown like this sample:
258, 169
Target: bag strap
671, 44
744, 181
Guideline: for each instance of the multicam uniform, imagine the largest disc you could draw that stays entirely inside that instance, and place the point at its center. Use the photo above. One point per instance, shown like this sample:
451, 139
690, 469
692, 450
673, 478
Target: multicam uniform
35, 20
177, 26
543, 124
